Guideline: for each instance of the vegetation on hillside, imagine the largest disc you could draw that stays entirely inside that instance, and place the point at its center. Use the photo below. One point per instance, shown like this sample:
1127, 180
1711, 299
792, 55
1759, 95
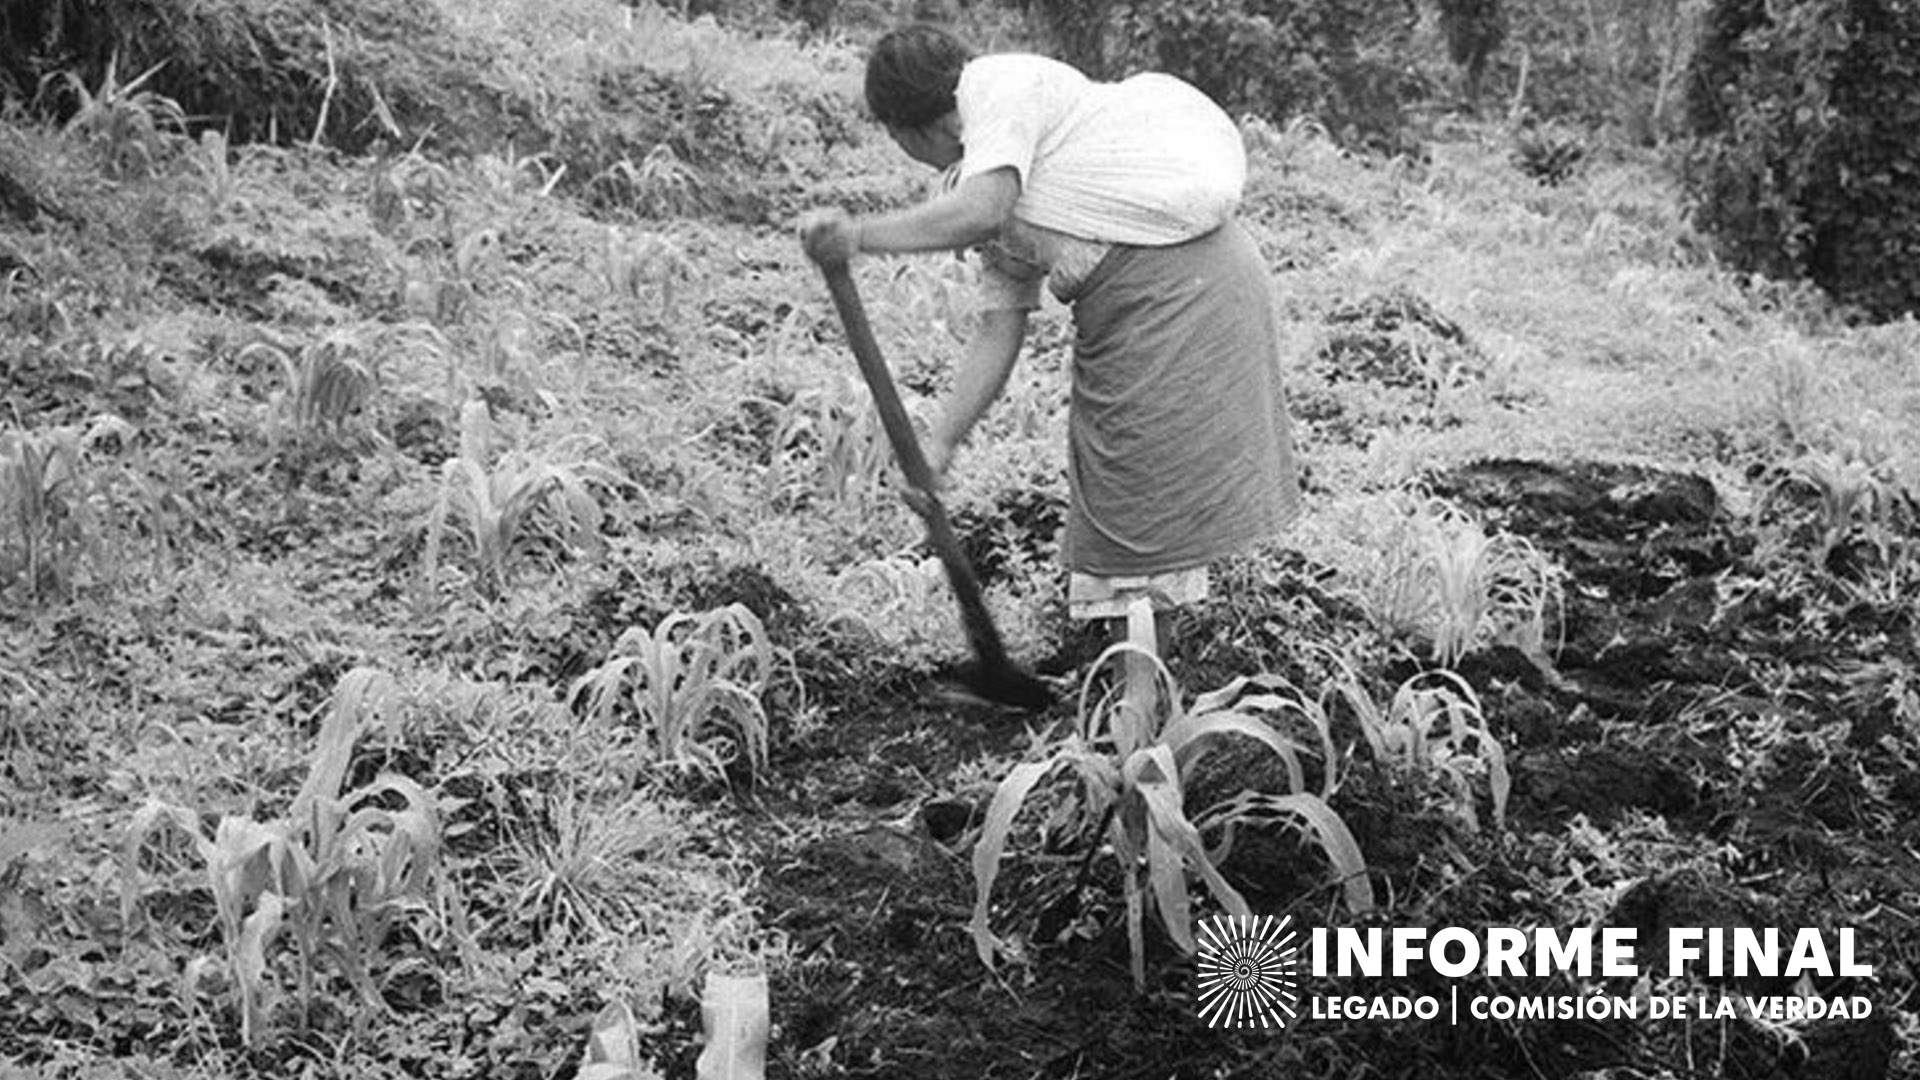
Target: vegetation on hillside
453, 595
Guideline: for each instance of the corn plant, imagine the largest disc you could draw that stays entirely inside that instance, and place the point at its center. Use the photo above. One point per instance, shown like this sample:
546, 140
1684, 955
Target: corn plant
450, 266
1432, 726
1442, 577
404, 188
124, 121
336, 874
660, 185
326, 383
508, 504
1793, 397
1854, 494
507, 173
1133, 755
936, 294
211, 160
902, 601
43, 502
646, 263
682, 680
828, 444
793, 142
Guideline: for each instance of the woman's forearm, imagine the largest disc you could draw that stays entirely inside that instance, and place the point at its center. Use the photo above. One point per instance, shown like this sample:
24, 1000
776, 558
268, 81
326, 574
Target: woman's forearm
970, 214
979, 379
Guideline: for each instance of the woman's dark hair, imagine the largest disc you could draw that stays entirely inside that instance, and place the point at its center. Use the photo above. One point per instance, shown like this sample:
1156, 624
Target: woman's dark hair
912, 74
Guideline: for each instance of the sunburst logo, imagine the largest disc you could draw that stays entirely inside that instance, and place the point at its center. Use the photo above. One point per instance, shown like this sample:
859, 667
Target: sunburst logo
1247, 972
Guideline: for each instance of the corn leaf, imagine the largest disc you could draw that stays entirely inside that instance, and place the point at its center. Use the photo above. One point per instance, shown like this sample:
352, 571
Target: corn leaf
361, 692
150, 817
1190, 738
1111, 721
1174, 845
1318, 821
250, 964
1007, 800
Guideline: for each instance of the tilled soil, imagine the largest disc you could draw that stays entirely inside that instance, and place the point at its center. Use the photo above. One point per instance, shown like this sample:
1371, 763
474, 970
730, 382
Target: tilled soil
1716, 741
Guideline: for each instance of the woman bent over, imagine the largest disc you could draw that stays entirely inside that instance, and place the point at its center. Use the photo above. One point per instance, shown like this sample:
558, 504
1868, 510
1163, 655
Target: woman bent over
1120, 198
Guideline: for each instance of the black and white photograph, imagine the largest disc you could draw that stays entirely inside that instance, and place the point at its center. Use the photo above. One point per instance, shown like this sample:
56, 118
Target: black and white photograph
959, 539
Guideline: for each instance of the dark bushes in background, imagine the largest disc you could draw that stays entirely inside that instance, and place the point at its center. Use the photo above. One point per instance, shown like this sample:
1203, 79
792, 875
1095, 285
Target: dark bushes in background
1618, 65
1474, 30
1805, 163
1347, 63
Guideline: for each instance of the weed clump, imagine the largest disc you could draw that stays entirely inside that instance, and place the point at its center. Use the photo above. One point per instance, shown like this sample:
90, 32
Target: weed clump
344, 72
639, 133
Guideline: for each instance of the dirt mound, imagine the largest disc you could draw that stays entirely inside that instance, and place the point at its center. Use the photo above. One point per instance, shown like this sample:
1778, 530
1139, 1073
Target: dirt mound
1641, 548
1398, 339
1685, 634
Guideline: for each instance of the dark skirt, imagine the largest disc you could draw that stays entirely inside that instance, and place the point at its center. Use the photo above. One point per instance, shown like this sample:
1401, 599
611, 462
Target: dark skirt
1179, 444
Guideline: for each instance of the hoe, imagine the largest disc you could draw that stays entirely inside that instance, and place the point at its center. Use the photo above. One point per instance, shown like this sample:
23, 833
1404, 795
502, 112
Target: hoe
992, 676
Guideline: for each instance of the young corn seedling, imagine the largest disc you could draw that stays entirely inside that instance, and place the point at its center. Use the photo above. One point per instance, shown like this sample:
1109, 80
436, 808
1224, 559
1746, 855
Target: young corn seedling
37, 473
1486, 587
1794, 397
405, 188
337, 874
510, 172
450, 267
828, 445
648, 263
125, 122
659, 186
900, 601
1133, 755
1433, 726
936, 294
1444, 578
522, 498
688, 677
211, 159
327, 384
42, 499
1854, 496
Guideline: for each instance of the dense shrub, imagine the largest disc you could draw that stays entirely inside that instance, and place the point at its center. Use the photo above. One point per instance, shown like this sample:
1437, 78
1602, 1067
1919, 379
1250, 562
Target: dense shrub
1344, 62
1474, 30
1076, 32
1804, 164
1601, 63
